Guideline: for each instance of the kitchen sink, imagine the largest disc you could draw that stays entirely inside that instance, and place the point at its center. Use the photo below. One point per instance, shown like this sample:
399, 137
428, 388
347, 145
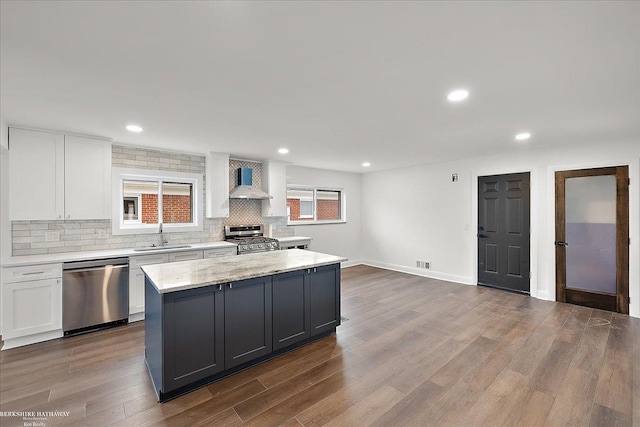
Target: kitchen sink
159, 248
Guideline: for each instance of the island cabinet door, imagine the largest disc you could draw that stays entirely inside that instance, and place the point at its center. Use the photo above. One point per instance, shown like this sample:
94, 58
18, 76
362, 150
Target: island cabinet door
324, 294
193, 336
291, 322
247, 320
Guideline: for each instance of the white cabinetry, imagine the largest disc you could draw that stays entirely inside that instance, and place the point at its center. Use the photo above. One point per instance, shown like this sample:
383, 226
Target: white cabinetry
218, 252
54, 176
274, 182
136, 282
36, 175
217, 179
185, 256
31, 304
87, 178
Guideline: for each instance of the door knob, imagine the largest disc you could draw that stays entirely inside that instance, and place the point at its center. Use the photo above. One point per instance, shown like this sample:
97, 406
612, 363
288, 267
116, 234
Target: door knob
482, 236
561, 243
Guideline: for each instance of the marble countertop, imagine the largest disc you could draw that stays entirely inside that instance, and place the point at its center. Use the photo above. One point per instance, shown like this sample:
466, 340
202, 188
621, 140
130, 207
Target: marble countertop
179, 276
108, 253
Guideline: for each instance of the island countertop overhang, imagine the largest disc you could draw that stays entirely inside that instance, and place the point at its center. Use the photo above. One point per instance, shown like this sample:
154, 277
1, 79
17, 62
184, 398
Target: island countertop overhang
179, 276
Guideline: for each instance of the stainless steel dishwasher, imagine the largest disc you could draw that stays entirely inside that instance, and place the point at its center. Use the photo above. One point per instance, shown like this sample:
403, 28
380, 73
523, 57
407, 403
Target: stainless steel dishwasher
95, 294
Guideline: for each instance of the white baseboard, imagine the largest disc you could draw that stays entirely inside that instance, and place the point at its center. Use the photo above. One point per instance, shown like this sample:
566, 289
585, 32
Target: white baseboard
351, 263
544, 295
136, 317
420, 272
31, 339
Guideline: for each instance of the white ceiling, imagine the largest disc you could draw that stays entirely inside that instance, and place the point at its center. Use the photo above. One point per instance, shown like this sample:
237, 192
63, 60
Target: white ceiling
337, 83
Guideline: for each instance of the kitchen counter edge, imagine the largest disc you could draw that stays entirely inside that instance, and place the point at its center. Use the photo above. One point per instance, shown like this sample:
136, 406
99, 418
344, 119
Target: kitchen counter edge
25, 260
162, 275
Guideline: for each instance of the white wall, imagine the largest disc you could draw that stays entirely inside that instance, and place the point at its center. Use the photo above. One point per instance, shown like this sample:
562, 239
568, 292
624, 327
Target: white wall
418, 213
336, 239
5, 224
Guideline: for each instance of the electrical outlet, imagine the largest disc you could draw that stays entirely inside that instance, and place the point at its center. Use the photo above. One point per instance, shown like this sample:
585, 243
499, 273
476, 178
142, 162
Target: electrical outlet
102, 234
51, 236
423, 264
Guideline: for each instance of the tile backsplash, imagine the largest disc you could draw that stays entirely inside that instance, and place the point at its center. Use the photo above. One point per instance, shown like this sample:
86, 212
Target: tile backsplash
30, 237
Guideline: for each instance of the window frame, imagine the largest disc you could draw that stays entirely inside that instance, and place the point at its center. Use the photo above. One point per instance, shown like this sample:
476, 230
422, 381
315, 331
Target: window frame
121, 227
314, 220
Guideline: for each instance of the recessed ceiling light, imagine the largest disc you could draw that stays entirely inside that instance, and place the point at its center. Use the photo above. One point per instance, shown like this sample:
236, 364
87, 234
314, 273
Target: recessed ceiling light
523, 136
283, 150
458, 95
134, 128
366, 164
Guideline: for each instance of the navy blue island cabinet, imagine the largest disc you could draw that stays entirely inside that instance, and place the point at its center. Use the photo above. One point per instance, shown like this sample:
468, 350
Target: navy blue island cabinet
196, 336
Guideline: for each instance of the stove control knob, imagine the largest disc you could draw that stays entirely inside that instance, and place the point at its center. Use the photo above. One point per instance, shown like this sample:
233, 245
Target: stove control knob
244, 247
250, 246
260, 246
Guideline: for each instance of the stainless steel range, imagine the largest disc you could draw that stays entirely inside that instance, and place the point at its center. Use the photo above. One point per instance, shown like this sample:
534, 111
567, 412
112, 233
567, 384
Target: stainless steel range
250, 239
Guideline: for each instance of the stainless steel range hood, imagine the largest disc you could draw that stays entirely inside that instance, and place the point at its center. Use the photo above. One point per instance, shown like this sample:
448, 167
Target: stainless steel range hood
245, 188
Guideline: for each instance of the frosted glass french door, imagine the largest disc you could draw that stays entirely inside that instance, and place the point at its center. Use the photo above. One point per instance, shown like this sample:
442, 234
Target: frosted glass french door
592, 237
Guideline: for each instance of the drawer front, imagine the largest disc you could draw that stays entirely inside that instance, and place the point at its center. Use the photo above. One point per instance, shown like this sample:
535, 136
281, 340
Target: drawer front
214, 253
185, 256
31, 272
137, 261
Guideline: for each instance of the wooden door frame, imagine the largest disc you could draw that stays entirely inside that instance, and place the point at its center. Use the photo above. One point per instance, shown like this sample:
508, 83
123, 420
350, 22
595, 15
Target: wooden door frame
634, 224
621, 173
535, 217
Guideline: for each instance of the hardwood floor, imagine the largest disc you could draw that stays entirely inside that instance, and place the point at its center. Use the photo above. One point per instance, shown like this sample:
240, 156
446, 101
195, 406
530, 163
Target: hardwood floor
414, 351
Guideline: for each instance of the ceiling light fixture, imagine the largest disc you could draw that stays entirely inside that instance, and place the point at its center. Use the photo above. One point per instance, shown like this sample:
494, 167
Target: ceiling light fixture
458, 95
366, 164
134, 128
523, 136
283, 150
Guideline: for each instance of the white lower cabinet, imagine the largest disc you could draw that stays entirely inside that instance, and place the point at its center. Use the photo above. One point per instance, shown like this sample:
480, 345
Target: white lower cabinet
136, 282
31, 304
185, 256
218, 252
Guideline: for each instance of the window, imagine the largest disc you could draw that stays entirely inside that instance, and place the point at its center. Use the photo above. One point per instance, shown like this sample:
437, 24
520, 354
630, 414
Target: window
143, 200
308, 205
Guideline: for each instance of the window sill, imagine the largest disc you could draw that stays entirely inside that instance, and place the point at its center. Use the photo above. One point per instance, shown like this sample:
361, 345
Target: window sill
316, 222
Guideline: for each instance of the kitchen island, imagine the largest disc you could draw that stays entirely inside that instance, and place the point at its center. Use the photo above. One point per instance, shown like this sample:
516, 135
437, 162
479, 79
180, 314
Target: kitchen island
207, 319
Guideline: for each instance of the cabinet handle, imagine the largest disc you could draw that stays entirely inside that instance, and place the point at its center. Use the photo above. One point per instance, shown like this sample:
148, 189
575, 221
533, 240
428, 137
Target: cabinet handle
68, 216
230, 285
315, 270
31, 273
59, 216
219, 287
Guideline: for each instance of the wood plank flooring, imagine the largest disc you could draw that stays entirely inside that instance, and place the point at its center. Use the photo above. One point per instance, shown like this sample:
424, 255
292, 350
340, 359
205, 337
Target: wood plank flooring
414, 352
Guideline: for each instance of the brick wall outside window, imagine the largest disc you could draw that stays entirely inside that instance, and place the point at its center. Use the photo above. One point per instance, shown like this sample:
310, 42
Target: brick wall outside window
149, 208
175, 209
328, 209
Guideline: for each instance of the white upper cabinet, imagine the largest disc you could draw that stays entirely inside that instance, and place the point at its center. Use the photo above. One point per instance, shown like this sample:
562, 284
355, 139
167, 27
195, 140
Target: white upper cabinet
274, 182
87, 178
53, 176
36, 175
217, 179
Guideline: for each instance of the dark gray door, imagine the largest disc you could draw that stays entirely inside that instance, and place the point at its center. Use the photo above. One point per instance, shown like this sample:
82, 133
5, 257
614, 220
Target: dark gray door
324, 291
247, 320
503, 231
290, 308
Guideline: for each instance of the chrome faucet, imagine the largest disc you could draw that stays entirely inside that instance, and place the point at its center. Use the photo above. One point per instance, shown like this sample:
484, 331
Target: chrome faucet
162, 240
